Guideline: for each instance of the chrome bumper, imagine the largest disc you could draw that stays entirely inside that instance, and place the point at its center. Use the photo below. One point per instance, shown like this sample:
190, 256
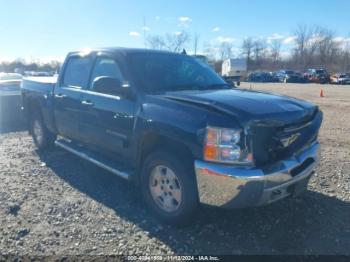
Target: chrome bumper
235, 187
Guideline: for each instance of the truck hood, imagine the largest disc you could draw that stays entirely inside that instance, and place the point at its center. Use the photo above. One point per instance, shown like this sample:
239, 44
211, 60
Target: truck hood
247, 106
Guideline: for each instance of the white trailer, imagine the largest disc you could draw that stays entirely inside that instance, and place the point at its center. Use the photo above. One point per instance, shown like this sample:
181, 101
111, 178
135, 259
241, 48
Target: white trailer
234, 68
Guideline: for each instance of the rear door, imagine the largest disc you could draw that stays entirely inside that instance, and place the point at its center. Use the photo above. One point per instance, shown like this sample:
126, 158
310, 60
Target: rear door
68, 109
109, 119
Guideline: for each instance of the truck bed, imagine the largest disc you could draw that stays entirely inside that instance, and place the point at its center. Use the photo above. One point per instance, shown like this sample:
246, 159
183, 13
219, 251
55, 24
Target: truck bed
39, 91
43, 84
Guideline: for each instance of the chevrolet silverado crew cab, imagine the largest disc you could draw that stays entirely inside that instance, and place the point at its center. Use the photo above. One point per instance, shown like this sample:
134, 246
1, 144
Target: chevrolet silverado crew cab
175, 128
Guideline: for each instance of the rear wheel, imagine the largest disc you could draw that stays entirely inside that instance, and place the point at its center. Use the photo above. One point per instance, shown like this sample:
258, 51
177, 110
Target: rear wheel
169, 188
42, 137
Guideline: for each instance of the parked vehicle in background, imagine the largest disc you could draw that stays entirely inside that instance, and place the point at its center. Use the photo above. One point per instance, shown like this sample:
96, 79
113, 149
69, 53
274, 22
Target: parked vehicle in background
36, 73
10, 81
320, 76
262, 77
340, 79
274, 77
173, 126
290, 76
234, 69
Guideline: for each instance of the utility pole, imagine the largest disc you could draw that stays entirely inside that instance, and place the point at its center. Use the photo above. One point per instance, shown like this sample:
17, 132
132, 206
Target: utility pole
144, 32
195, 43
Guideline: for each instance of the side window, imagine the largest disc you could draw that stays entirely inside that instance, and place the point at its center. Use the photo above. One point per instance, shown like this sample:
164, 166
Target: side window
106, 67
77, 72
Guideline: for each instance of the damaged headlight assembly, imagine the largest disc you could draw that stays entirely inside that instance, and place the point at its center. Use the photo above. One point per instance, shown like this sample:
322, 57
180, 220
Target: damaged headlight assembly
224, 145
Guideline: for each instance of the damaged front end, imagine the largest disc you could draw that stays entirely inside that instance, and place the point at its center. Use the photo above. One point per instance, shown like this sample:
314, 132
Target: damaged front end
272, 141
285, 156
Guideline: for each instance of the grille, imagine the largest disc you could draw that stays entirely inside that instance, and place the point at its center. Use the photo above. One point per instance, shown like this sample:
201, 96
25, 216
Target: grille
267, 141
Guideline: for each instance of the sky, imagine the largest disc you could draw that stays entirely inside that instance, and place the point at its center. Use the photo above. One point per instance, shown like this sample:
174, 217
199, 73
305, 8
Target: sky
47, 29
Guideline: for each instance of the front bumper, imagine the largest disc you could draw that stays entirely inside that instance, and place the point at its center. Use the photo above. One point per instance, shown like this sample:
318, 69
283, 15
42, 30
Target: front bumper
236, 187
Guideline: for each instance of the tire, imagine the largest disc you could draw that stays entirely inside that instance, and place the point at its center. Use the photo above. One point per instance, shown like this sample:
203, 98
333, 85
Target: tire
42, 137
173, 210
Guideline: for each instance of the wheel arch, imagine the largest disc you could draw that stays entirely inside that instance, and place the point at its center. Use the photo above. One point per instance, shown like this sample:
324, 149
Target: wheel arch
151, 142
32, 107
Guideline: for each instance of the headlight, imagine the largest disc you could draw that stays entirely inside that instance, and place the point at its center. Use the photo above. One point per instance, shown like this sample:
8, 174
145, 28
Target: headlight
223, 145
229, 137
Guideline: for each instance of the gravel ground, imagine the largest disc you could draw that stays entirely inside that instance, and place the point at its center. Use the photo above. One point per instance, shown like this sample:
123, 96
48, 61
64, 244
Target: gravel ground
55, 203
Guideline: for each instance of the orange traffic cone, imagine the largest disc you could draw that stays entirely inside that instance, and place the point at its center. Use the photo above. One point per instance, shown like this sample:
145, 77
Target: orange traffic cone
321, 93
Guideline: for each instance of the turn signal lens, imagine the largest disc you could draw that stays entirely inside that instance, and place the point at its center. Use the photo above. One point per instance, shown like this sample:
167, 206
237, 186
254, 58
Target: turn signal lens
210, 152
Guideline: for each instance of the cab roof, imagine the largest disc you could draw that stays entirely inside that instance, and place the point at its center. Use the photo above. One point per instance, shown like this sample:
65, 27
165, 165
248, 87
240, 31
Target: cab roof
119, 50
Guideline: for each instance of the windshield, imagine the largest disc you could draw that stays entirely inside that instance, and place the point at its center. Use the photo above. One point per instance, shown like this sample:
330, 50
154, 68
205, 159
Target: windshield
289, 72
159, 72
201, 59
321, 71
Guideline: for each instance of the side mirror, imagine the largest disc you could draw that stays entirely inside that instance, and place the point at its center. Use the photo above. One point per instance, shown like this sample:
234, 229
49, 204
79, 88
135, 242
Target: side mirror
108, 85
229, 81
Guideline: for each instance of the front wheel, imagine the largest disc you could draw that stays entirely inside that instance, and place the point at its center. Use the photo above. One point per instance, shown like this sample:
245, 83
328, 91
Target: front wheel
42, 137
169, 188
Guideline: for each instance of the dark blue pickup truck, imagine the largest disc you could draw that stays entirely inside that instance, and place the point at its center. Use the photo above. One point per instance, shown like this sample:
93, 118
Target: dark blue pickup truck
175, 128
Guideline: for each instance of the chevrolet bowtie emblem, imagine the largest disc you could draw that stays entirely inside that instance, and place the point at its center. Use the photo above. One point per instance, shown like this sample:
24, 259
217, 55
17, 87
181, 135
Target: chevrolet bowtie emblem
289, 140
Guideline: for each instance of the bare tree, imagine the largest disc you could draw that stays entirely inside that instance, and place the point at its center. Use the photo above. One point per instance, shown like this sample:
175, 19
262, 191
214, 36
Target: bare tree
345, 54
259, 49
275, 50
225, 50
247, 47
303, 36
259, 52
156, 42
176, 42
325, 46
173, 42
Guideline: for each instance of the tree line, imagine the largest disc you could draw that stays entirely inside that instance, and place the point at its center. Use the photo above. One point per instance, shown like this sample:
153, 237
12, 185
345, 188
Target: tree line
21, 66
311, 47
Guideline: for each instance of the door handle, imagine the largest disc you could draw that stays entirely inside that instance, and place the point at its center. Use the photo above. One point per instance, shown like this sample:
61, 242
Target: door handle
60, 95
87, 103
